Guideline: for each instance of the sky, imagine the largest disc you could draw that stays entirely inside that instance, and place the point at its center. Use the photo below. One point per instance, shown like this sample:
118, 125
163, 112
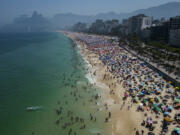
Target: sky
10, 9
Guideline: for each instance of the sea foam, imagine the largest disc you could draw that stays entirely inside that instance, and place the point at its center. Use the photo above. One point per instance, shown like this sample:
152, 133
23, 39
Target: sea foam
89, 74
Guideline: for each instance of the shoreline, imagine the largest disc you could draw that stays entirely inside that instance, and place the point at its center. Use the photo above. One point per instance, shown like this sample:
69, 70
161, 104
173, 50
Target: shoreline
125, 119
114, 102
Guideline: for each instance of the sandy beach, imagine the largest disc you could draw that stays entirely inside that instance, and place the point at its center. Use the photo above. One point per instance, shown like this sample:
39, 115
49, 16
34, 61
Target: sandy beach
123, 115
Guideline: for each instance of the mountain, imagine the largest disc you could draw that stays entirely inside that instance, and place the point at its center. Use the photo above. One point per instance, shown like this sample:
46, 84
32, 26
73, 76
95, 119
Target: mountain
68, 19
166, 10
35, 23
108, 16
38, 23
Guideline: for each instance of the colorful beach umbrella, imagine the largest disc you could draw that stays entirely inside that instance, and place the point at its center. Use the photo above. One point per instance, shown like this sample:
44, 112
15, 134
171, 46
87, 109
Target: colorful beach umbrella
177, 129
168, 119
177, 100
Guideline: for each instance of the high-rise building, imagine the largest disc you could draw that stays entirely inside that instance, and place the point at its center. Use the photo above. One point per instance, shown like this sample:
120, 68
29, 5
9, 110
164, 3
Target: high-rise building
139, 22
174, 22
125, 22
174, 31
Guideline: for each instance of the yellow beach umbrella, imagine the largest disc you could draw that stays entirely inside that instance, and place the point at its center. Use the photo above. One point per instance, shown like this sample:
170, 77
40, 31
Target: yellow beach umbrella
170, 82
168, 119
152, 100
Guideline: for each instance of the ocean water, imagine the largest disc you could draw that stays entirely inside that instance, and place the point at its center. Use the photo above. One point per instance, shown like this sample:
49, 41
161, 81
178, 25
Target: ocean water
44, 69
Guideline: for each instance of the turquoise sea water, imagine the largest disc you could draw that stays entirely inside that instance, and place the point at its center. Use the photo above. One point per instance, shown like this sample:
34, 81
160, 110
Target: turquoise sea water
43, 69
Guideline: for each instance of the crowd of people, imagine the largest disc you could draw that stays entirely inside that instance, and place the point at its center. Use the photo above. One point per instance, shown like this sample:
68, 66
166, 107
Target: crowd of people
156, 97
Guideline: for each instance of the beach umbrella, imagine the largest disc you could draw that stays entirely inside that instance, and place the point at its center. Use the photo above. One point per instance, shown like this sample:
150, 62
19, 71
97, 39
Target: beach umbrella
177, 129
155, 104
177, 100
146, 87
177, 105
144, 100
113, 62
141, 83
157, 108
166, 113
152, 100
161, 104
151, 133
177, 116
136, 99
158, 91
140, 93
137, 88
144, 92
170, 107
168, 119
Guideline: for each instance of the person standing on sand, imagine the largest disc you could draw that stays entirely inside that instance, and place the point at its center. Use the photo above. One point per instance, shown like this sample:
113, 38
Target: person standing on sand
109, 114
142, 132
137, 132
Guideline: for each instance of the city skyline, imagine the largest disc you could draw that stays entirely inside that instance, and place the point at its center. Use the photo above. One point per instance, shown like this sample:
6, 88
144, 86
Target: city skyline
12, 9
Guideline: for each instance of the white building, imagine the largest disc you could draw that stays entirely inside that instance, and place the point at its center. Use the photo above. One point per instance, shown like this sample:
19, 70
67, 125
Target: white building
146, 22
138, 23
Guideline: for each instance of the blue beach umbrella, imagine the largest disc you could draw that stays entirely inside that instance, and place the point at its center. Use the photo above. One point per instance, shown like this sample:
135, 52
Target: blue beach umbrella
113, 62
144, 92
141, 83
170, 107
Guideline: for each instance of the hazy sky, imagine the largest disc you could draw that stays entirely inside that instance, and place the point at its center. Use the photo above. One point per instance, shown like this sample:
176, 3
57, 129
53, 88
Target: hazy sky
13, 8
